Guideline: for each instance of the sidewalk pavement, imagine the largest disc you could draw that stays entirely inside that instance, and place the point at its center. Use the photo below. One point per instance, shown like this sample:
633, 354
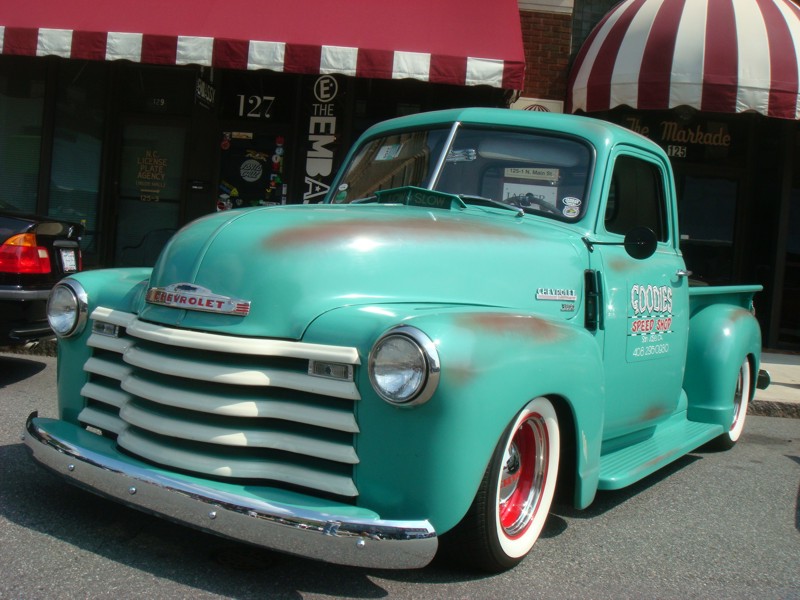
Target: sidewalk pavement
780, 399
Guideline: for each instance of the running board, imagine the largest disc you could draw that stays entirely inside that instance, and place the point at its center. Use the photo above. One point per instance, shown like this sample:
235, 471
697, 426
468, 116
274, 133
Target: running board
671, 440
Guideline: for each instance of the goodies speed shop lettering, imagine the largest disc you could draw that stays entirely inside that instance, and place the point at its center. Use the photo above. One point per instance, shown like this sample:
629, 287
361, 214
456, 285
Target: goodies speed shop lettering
652, 309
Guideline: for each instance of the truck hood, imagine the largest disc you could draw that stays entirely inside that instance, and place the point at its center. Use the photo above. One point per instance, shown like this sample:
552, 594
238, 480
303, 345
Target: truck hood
293, 263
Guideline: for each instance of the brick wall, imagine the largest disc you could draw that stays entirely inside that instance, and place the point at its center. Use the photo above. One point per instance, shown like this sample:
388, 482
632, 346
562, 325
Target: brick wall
547, 41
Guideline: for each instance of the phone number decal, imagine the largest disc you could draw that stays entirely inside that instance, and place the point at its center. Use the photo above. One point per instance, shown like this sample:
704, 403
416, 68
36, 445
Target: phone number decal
648, 346
645, 351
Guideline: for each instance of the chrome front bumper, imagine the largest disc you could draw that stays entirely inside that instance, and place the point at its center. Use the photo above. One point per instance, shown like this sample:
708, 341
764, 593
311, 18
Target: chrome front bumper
356, 541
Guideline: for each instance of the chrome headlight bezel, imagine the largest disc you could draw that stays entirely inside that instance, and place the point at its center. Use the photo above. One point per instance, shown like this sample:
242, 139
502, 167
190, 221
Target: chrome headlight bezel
419, 378
69, 297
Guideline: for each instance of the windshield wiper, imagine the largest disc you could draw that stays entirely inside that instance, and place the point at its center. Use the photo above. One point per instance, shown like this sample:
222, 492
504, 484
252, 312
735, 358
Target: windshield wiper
483, 201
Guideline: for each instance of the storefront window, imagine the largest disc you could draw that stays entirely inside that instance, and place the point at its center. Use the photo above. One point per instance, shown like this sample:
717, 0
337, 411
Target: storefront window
22, 90
585, 15
77, 148
790, 303
707, 209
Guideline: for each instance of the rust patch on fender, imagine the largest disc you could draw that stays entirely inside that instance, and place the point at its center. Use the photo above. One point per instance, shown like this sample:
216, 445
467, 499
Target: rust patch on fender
522, 325
620, 265
739, 314
655, 412
730, 323
460, 374
413, 229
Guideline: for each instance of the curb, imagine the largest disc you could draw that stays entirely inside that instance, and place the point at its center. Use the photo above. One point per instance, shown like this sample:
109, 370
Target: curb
41, 348
772, 408
761, 408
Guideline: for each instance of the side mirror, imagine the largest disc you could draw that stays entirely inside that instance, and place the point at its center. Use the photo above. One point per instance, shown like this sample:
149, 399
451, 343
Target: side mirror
640, 243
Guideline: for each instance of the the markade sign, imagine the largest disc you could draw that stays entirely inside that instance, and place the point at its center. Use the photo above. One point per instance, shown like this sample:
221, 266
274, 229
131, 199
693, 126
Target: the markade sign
325, 124
696, 138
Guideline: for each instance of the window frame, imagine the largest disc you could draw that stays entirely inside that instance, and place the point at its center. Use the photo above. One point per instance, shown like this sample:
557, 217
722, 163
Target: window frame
663, 173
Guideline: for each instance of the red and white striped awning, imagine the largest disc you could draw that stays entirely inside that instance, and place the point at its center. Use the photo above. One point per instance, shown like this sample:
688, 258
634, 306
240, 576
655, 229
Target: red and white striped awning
461, 42
726, 56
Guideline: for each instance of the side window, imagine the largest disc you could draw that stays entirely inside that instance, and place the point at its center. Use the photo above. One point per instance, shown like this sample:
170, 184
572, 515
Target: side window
636, 198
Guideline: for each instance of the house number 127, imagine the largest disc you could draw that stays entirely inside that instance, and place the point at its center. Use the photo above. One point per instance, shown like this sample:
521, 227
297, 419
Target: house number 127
255, 107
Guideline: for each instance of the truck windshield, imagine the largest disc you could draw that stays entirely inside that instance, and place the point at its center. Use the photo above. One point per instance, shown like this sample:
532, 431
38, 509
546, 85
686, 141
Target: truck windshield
537, 173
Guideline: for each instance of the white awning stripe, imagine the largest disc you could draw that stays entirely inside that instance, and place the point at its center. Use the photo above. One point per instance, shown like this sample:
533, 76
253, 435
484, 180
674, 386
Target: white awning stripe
124, 46
54, 42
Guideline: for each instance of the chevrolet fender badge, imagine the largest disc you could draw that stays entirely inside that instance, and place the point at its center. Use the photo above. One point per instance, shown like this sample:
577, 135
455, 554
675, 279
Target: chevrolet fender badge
557, 294
194, 297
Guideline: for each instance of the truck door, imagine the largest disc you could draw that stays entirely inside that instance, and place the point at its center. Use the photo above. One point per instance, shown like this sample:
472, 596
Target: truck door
645, 303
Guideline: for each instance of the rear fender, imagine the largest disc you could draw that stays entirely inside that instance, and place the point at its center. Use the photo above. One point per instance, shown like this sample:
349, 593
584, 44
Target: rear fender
721, 337
432, 457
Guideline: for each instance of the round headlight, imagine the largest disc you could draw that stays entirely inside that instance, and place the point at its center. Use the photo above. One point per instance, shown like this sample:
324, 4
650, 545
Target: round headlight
404, 366
66, 308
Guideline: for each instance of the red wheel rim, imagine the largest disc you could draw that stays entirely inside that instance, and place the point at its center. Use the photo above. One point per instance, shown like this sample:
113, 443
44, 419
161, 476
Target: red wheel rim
523, 476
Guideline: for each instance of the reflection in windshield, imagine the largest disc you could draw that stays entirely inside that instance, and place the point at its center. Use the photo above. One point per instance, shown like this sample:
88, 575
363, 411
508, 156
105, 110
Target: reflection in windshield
539, 174
406, 158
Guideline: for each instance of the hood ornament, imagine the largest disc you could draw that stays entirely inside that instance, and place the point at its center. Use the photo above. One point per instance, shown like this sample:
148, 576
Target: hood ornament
194, 297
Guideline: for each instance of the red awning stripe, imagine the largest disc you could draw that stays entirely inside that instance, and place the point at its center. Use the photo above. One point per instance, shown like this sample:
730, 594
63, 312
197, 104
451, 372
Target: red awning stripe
463, 49
721, 55
713, 55
657, 57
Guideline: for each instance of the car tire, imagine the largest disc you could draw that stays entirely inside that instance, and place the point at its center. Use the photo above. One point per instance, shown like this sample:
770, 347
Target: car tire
514, 497
741, 400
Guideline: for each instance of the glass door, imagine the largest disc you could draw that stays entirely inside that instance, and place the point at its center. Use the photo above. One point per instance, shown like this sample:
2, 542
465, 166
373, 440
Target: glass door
150, 176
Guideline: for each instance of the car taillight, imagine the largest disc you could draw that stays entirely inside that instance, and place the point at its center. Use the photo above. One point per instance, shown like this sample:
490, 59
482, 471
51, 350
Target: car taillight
21, 254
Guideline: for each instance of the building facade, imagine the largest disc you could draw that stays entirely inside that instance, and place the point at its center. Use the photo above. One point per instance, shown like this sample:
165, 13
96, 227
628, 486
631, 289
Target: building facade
135, 151
136, 142
716, 84
734, 143
134, 120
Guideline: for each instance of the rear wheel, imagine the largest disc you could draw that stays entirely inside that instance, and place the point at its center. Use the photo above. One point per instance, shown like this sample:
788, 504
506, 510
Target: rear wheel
515, 495
741, 400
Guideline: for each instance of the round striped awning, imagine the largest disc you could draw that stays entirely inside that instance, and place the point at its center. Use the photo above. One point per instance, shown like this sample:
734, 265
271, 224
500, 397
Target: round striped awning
727, 56
456, 42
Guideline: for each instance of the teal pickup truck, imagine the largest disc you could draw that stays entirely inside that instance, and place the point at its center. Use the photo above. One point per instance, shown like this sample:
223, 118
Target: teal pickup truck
490, 308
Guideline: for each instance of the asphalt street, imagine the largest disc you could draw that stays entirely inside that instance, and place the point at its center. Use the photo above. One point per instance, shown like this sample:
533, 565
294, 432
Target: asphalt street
712, 525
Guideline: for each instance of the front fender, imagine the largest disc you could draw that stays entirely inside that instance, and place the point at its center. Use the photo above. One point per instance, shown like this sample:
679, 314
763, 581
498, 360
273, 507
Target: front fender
119, 289
429, 460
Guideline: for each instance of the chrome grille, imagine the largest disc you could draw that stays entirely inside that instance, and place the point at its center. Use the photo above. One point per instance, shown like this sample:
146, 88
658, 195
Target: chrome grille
224, 406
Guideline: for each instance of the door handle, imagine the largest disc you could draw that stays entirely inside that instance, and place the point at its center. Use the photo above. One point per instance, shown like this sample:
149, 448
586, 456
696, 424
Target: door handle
683, 273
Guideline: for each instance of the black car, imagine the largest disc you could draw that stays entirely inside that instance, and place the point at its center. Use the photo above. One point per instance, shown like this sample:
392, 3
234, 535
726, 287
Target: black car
35, 252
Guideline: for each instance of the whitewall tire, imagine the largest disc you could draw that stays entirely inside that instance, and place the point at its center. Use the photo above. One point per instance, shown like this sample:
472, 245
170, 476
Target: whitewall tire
512, 503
